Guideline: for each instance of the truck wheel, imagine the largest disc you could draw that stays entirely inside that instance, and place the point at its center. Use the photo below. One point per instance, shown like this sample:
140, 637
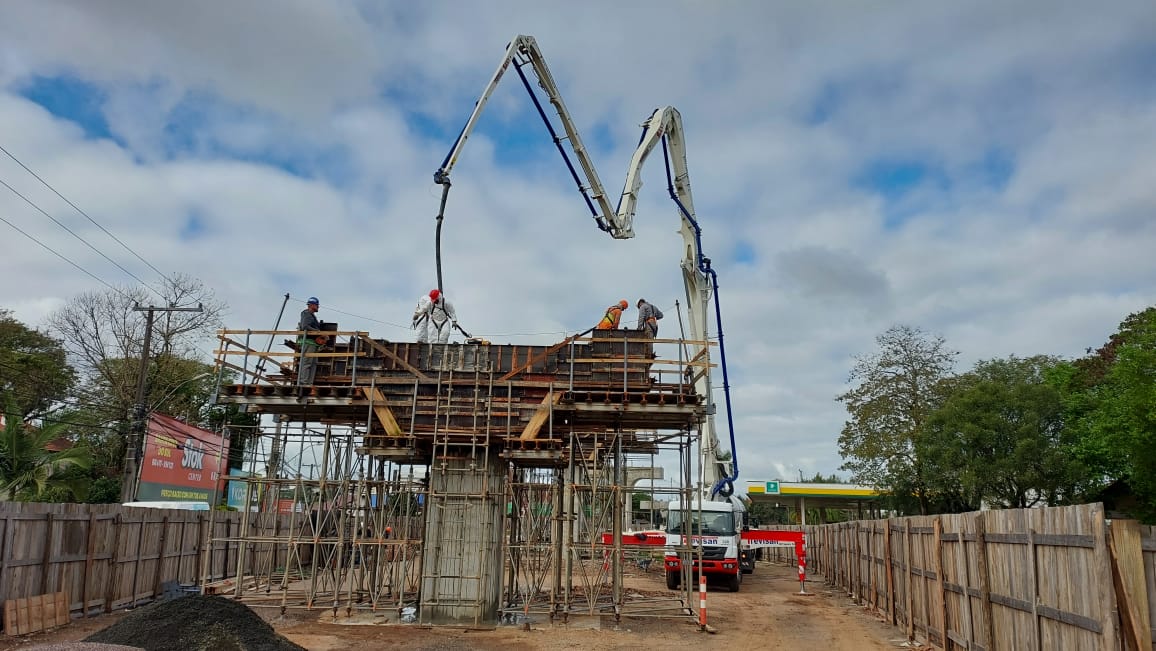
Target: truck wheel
672, 580
735, 581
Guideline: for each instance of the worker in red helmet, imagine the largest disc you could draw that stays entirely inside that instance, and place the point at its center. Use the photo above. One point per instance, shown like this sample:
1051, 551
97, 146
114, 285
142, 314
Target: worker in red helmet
433, 318
613, 316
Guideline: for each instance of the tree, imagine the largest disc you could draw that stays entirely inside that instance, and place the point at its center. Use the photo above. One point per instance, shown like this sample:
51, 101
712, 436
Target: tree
34, 370
999, 438
28, 468
899, 386
1109, 405
104, 334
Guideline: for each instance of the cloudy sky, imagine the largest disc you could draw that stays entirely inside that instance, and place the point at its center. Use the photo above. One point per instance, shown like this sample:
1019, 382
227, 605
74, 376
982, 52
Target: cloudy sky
982, 170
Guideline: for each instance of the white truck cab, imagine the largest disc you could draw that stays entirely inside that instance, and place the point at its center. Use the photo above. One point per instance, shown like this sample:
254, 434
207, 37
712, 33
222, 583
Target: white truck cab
714, 548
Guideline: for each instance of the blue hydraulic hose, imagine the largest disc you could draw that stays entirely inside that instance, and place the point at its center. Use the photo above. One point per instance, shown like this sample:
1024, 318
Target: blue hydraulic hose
561, 150
726, 484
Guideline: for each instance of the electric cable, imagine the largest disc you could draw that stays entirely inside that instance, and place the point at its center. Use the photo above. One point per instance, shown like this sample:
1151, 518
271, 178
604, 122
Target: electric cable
74, 234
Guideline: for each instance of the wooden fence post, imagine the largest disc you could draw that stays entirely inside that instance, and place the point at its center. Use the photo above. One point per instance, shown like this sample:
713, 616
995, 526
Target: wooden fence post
961, 566
983, 578
113, 564
89, 553
911, 601
45, 563
158, 576
937, 531
1105, 589
1128, 577
889, 570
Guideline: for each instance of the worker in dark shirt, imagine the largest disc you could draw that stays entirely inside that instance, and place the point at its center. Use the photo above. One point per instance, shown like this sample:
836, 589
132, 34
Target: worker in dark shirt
309, 341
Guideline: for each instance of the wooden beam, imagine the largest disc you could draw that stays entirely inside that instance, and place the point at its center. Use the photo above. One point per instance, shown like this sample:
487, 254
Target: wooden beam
540, 416
393, 356
383, 412
536, 358
1128, 577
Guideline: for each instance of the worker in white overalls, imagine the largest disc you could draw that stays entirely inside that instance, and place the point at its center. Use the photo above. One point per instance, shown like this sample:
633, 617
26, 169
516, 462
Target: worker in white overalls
433, 318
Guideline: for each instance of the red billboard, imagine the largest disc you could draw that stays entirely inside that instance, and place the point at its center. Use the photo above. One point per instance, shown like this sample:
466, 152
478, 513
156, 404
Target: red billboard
181, 462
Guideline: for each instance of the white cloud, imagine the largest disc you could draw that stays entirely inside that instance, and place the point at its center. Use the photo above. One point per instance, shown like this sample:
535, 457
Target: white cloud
293, 144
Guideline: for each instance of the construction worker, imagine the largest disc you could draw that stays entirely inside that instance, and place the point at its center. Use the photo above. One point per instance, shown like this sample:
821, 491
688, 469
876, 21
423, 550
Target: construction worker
307, 343
648, 317
434, 317
613, 316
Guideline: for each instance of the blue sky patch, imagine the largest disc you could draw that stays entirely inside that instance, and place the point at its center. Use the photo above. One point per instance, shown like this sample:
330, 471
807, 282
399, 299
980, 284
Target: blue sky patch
893, 178
195, 227
744, 253
69, 98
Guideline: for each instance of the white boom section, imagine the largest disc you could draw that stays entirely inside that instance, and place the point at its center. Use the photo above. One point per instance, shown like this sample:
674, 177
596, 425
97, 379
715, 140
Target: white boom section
524, 49
666, 123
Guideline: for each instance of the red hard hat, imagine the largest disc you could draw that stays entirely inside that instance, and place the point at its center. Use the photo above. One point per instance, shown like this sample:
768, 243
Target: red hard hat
623, 304
434, 294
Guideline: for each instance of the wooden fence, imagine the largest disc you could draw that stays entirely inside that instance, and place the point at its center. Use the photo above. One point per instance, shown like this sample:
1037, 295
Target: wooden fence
107, 557
1049, 578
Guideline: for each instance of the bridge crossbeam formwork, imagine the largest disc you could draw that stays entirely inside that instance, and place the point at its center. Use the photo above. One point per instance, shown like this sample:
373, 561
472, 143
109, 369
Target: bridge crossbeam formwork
456, 483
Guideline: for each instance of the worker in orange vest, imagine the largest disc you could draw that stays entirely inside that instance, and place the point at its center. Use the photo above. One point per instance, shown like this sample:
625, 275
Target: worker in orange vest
613, 316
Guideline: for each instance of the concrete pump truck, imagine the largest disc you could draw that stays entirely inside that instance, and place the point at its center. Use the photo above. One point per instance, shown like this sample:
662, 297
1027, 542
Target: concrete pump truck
704, 529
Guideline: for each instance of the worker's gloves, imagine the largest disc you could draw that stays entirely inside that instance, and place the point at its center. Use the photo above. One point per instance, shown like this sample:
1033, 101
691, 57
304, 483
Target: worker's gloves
413, 325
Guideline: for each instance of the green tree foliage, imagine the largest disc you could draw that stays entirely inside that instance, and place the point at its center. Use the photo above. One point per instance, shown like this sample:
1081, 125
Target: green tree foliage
999, 438
34, 371
28, 469
1110, 404
898, 387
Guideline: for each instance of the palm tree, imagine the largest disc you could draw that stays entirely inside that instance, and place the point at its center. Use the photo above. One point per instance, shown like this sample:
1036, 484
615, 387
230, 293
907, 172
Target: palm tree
28, 468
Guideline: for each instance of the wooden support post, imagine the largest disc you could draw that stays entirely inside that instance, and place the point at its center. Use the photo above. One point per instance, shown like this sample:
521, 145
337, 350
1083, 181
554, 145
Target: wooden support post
383, 412
535, 425
1128, 578
984, 581
937, 529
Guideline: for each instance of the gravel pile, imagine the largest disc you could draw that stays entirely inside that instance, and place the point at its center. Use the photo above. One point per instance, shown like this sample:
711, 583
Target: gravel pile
195, 623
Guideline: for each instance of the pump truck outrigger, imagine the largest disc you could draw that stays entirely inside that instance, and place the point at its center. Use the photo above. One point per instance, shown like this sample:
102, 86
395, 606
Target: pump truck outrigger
704, 533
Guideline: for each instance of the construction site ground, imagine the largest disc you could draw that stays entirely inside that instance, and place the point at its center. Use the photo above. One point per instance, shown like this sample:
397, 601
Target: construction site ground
768, 613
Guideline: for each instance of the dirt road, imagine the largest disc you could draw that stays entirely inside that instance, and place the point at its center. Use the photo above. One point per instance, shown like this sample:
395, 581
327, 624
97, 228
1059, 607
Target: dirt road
767, 614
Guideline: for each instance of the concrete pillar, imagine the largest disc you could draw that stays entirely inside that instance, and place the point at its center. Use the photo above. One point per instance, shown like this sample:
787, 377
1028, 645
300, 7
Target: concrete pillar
462, 551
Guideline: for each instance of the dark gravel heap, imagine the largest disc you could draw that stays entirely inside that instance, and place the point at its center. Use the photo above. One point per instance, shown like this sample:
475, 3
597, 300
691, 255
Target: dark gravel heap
195, 623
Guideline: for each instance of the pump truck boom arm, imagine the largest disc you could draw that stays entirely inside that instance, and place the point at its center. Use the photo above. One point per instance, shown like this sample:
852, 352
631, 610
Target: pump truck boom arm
522, 51
664, 126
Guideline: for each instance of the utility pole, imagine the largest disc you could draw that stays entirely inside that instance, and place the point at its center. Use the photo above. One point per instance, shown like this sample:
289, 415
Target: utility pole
132, 455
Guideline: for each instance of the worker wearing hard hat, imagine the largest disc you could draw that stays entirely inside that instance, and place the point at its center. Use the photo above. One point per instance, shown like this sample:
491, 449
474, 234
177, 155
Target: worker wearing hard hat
433, 318
613, 316
309, 341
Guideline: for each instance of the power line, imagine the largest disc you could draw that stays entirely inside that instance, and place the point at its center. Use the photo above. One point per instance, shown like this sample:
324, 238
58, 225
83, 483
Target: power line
77, 209
61, 256
73, 233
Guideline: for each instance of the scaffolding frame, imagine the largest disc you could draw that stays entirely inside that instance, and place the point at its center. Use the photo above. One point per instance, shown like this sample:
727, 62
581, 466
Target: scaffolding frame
468, 484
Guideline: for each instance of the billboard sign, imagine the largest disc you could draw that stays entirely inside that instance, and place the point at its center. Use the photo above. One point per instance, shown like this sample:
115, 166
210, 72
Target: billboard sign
181, 462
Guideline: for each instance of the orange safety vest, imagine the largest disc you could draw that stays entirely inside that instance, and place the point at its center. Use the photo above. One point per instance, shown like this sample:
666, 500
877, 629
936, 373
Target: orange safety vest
610, 319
